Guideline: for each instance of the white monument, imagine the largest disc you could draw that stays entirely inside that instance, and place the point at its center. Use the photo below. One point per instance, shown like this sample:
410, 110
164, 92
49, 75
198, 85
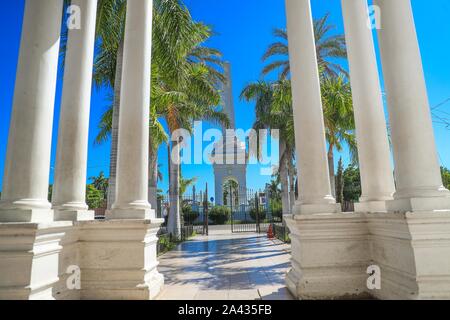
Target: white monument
229, 156
396, 245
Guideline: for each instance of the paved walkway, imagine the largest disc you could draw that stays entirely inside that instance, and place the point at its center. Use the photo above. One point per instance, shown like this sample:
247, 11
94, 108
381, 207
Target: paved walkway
226, 266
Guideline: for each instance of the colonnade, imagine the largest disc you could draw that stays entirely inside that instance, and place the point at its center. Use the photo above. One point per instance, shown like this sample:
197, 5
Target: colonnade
399, 228
417, 169
418, 194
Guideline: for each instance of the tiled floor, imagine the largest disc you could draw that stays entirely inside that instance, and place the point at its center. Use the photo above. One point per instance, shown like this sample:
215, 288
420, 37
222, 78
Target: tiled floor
226, 266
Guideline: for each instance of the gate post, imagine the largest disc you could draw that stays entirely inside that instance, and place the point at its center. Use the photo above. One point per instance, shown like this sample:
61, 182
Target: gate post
205, 212
258, 227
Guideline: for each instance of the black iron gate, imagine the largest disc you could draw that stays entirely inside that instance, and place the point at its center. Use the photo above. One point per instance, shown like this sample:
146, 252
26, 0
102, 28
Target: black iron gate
244, 211
252, 216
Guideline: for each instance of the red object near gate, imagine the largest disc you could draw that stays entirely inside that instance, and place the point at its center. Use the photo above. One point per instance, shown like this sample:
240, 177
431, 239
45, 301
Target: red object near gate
270, 234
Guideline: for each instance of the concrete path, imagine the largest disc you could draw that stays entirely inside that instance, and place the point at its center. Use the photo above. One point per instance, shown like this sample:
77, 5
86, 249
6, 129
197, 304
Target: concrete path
226, 266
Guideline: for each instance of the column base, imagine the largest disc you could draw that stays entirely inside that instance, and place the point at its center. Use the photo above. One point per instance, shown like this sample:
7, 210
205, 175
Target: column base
300, 209
431, 204
74, 215
133, 214
330, 256
371, 206
412, 250
119, 260
29, 260
26, 215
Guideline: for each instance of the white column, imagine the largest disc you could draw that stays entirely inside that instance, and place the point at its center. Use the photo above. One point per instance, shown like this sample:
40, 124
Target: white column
377, 182
27, 166
417, 172
69, 189
315, 192
132, 163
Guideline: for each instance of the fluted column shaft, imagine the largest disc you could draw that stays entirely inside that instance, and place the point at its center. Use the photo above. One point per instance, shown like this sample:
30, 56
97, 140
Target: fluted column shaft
417, 168
377, 181
69, 190
132, 163
315, 192
27, 166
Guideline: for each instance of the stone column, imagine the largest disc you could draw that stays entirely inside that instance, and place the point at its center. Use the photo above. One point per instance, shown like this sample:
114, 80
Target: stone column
69, 189
377, 181
27, 166
417, 172
132, 163
315, 192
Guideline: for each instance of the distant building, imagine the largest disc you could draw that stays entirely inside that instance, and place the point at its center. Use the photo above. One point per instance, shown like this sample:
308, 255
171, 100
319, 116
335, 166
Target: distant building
230, 153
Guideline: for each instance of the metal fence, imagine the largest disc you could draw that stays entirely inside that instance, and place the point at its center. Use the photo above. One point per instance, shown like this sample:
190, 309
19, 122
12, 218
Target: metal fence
253, 213
348, 206
166, 240
281, 232
244, 210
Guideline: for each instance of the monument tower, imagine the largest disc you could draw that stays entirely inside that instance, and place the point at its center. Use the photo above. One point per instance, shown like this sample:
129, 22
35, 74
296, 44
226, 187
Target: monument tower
230, 156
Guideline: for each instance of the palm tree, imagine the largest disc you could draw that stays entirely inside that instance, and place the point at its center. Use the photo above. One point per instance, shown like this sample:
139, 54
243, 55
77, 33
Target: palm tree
273, 188
185, 184
336, 92
186, 81
338, 118
328, 48
157, 136
100, 182
233, 196
274, 111
183, 75
108, 72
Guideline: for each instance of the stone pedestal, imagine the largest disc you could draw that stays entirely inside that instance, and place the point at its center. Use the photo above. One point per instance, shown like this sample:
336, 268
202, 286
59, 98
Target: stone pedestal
301, 208
140, 214
74, 215
371, 206
412, 250
29, 260
329, 256
118, 260
26, 215
69, 264
112, 259
430, 204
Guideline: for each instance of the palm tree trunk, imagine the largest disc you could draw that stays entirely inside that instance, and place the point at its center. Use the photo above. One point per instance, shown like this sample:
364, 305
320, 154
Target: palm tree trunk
291, 184
331, 170
115, 129
284, 179
174, 222
153, 174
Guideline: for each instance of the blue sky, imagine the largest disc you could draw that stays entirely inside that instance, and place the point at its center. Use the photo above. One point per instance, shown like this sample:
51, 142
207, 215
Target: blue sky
243, 31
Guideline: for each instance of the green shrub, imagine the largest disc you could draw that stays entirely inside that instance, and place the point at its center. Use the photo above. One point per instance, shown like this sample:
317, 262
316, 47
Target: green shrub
94, 197
188, 214
219, 214
262, 214
276, 208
